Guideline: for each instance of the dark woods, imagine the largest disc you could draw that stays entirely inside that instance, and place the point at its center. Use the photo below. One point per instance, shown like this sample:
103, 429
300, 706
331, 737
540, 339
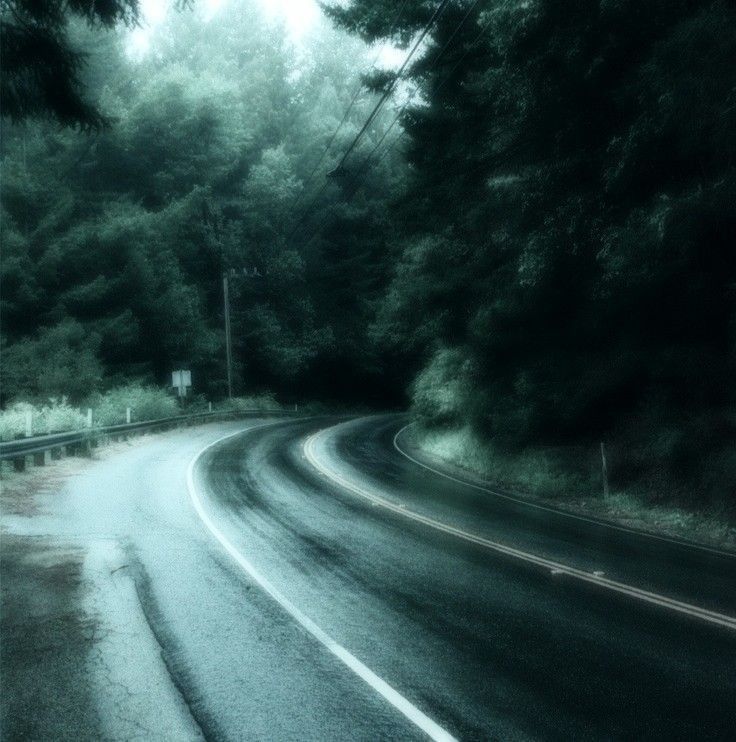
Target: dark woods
540, 249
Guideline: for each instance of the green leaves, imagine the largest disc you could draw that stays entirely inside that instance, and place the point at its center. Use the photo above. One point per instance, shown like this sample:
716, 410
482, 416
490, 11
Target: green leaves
58, 361
42, 68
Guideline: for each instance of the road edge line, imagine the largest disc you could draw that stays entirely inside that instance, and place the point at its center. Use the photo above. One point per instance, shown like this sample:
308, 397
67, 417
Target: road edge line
558, 511
662, 601
433, 730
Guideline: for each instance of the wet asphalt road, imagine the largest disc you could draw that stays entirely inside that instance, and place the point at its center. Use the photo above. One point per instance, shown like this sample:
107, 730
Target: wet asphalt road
487, 646
182, 644
365, 449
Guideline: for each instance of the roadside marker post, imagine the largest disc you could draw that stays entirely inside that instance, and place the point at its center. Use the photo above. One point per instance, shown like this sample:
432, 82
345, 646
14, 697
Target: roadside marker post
86, 446
604, 469
127, 415
29, 423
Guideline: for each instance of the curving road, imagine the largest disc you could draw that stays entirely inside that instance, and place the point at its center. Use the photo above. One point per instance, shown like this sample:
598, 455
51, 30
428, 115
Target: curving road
487, 645
305, 580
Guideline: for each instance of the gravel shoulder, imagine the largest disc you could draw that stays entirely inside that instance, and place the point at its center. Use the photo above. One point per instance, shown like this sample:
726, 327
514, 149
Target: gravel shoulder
78, 659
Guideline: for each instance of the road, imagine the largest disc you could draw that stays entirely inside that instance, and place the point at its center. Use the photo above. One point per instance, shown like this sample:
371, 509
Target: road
304, 580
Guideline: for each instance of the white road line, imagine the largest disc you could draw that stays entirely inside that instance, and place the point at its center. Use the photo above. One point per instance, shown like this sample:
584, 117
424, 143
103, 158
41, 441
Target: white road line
412, 713
557, 511
554, 567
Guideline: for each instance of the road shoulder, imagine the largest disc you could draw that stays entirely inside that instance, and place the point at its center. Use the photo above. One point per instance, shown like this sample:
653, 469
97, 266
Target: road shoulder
618, 510
78, 659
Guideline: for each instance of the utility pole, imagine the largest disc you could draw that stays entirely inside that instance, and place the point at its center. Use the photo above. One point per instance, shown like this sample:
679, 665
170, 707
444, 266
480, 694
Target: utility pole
228, 339
228, 335
604, 470
209, 217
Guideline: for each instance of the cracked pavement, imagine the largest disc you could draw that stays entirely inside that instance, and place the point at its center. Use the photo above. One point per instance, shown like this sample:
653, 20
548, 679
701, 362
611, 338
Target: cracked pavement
79, 659
124, 619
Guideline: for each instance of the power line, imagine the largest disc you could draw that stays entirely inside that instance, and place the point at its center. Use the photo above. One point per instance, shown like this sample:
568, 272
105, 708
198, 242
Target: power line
434, 61
391, 87
375, 110
388, 149
350, 106
434, 91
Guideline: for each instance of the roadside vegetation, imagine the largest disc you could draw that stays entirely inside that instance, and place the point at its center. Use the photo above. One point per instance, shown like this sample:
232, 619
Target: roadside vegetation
531, 245
571, 478
111, 408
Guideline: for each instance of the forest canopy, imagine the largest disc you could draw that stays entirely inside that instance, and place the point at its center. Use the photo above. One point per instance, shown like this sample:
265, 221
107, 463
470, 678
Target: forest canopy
533, 238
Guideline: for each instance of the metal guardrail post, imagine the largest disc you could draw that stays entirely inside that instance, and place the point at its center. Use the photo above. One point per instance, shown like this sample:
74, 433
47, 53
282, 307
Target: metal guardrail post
80, 442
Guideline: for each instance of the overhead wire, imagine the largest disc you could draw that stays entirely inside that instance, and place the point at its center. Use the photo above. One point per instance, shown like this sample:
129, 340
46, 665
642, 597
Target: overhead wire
413, 93
324, 185
396, 119
434, 91
382, 100
376, 109
350, 107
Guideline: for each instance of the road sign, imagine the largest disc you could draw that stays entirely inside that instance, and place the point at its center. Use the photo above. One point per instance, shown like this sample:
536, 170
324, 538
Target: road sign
181, 380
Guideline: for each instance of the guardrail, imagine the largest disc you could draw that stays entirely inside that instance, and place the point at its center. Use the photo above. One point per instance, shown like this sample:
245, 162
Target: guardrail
83, 440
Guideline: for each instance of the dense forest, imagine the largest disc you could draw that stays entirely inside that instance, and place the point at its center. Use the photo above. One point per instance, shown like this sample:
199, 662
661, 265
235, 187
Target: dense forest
116, 238
532, 239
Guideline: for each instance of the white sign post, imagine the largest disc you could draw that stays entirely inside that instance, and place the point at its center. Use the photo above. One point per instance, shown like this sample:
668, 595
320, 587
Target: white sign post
181, 380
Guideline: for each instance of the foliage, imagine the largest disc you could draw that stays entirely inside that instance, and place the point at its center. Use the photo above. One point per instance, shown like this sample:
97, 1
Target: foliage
261, 402
57, 361
56, 416
42, 67
553, 472
145, 403
543, 258
440, 388
576, 256
128, 233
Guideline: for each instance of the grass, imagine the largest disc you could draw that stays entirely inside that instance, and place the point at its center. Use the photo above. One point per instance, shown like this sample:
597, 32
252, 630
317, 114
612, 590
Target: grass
110, 408
569, 478
53, 417
258, 402
57, 415
554, 472
145, 403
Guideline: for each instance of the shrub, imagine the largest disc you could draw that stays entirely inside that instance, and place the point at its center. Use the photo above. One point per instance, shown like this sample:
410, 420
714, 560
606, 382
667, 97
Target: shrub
262, 402
55, 417
559, 471
58, 360
439, 393
145, 402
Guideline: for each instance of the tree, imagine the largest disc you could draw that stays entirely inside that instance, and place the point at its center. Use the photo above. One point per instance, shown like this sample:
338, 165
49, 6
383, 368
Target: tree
129, 230
42, 69
582, 156
58, 361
